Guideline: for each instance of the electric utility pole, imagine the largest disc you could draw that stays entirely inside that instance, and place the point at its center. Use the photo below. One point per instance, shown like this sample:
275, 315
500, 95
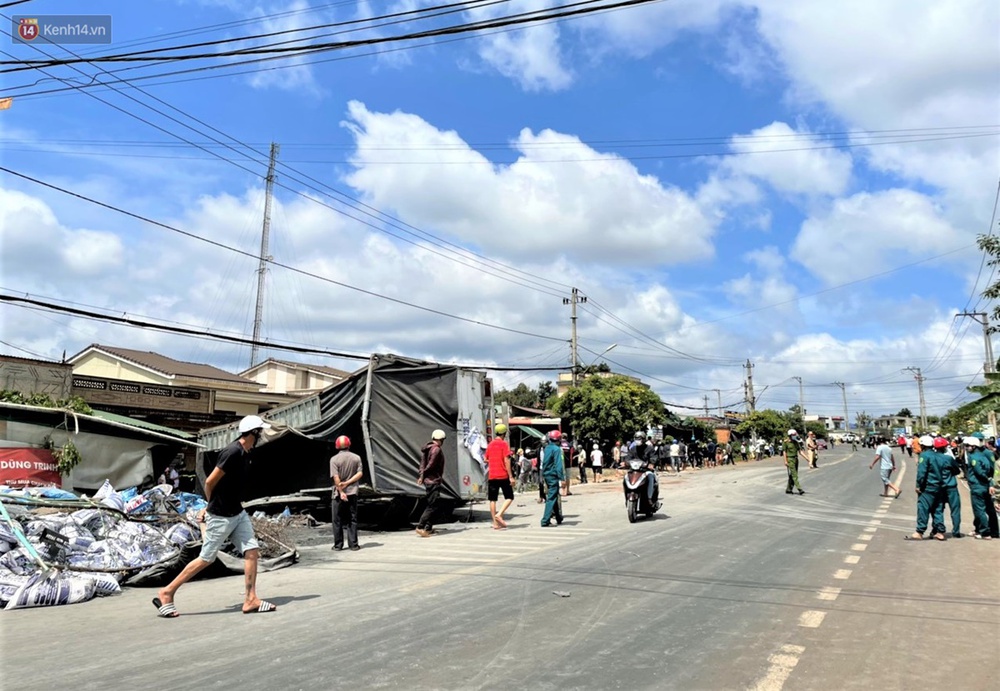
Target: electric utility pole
705, 397
574, 358
802, 398
990, 365
920, 389
751, 402
258, 315
843, 392
718, 393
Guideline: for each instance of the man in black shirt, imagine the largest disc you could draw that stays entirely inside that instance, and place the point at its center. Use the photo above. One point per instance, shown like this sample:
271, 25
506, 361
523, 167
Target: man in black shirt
225, 519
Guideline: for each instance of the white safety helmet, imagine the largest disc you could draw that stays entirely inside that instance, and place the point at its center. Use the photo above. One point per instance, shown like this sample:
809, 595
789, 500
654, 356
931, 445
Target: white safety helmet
438, 434
792, 433
595, 447
252, 422
926, 440
972, 441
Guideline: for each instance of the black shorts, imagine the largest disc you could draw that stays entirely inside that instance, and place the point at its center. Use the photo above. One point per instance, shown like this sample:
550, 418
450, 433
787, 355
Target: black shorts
496, 486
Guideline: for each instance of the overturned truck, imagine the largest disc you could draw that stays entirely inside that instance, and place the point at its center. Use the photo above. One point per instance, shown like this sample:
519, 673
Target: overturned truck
388, 409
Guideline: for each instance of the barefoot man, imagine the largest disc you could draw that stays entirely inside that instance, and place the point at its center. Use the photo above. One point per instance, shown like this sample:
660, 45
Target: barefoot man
225, 519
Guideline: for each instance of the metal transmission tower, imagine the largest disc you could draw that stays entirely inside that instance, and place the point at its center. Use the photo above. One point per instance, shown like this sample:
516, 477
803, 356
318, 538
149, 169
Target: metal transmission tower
574, 300
843, 392
258, 315
990, 365
751, 401
920, 388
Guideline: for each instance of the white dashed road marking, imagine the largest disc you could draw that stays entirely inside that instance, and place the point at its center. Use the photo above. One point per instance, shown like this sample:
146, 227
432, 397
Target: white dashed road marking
842, 574
852, 558
828, 593
781, 665
811, 619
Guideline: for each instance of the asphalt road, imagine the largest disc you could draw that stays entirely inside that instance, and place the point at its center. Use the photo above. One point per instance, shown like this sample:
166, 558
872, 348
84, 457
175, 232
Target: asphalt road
736, 586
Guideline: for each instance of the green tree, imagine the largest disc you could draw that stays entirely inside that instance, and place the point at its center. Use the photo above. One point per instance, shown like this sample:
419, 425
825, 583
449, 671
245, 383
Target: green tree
766, 424
990, 245
544, 393
817, 428
609, 408
520, 395
905, 412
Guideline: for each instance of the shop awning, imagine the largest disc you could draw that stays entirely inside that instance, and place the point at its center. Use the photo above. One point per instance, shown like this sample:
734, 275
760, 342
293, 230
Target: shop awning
531, 431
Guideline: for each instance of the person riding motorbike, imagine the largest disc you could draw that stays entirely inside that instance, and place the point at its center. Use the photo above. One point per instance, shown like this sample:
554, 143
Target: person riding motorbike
640, 450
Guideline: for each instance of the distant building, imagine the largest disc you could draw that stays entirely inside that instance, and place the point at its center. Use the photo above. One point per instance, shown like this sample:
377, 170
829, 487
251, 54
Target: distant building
149, 386
293, 378
833, 423
30, 376
564, 382
890, 425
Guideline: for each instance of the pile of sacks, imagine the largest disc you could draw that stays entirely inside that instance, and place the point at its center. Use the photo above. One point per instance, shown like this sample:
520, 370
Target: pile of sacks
94, 549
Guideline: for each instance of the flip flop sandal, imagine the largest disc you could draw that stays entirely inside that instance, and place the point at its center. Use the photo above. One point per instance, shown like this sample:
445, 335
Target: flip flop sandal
166, 611
915, 537
264, 606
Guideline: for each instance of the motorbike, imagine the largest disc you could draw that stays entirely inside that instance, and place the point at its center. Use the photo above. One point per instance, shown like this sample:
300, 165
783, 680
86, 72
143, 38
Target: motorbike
636, 493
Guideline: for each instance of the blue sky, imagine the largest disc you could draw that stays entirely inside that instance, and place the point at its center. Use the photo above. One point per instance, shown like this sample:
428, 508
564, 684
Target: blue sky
630, 154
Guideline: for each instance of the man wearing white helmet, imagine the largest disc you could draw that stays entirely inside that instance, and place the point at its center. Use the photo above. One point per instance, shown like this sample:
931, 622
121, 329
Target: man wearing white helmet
430, 477
792, 449
225, 519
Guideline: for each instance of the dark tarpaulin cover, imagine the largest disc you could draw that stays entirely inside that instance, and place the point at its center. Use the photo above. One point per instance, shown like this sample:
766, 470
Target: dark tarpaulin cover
409, 400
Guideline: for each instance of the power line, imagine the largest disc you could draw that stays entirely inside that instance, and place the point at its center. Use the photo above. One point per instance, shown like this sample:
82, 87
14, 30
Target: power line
126, 320
486, 265
272, 262
577, 9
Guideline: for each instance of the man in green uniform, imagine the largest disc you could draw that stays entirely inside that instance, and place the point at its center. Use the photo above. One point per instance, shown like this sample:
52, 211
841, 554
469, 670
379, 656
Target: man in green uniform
950, 472
929, 490
979, 472
553, 472
792, 449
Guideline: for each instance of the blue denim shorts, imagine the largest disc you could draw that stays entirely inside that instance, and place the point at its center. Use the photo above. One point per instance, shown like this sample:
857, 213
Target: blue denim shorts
237, 529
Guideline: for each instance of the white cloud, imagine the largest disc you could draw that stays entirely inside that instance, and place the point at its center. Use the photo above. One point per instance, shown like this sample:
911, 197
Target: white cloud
898, 64
769, 287
295, 74
867, 233
573, 207
801, 168
32, 237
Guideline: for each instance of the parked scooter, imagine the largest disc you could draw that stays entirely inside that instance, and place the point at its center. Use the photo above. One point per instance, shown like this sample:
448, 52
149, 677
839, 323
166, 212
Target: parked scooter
637, 499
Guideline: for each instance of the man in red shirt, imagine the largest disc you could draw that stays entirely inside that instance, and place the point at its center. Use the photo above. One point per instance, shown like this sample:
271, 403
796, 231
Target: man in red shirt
499, 477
